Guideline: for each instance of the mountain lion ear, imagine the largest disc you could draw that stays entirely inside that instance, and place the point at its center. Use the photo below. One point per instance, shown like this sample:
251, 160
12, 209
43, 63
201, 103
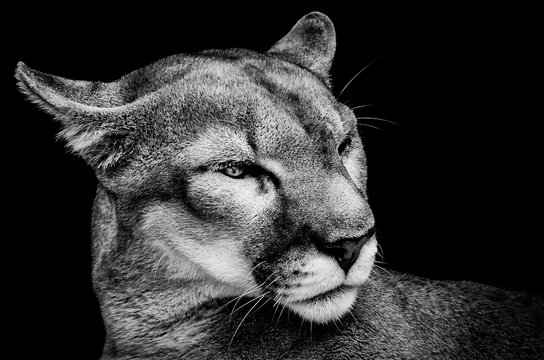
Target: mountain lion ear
311, 43
91, 113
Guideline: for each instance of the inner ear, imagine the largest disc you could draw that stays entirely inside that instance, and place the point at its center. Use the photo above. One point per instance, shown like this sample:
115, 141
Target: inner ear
93, 124
102, 149
311, 43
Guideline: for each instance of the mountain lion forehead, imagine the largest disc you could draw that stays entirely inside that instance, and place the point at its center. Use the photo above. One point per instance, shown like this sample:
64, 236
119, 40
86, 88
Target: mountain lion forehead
272, 75
217, 145
287, 88
257, 92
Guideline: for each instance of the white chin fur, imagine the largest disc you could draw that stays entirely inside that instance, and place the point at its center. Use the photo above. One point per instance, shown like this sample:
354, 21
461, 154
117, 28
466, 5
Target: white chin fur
330, 308
325, 310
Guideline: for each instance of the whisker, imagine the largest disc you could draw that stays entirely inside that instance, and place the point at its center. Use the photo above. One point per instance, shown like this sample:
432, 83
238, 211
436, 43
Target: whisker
281, 312
264, 282
250, 271
255, 287
353, 78
248, 291
239, 298
373, 271
266, 302
267, 286
284, 306
242, 306
275, 306
278, 297
276, 279
275, 310
380, 251
371, 126
241, 322
353, 316
375, 118
381, 268
362, 106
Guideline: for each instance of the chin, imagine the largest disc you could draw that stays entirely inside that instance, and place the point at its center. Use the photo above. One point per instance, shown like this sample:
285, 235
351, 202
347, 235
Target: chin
325, 307
331, 305
322, 292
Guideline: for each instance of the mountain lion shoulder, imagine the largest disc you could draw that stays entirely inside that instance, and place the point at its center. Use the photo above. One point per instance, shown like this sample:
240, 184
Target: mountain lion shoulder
231, 219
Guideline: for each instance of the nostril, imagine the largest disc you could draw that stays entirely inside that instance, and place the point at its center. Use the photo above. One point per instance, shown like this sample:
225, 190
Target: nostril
347, 250
339, 253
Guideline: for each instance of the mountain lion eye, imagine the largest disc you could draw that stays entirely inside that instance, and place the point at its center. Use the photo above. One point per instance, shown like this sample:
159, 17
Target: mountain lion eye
344, 145
235, 171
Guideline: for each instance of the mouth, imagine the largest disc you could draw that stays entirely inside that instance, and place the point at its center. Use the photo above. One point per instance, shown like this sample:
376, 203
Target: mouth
324, 293
327, 295
327, 306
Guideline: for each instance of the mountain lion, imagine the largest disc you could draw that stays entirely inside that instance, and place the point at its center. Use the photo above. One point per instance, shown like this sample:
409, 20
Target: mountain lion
231, 219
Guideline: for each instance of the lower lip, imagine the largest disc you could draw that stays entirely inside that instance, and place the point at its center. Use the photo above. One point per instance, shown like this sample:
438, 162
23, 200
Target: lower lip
326, 295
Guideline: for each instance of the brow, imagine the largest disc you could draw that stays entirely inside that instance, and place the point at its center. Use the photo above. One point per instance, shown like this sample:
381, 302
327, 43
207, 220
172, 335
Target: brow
216, 146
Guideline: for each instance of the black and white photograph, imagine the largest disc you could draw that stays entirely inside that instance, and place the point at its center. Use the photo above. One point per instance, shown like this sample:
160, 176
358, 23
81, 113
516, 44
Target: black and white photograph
272, 181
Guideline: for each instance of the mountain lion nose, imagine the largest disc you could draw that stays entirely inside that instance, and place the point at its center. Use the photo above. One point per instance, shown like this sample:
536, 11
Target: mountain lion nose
346, 251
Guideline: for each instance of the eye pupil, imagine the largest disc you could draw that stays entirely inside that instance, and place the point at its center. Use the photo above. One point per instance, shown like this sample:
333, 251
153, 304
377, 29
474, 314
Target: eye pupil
234, 171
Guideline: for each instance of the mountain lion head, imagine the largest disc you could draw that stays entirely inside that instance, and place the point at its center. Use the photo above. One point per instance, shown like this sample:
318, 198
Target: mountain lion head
233, 169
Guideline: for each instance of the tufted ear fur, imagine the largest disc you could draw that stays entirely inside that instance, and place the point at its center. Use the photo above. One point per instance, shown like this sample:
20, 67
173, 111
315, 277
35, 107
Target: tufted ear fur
311, 43
91, 113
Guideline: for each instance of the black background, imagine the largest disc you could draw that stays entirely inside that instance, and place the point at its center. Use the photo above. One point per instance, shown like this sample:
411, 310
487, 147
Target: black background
453, 185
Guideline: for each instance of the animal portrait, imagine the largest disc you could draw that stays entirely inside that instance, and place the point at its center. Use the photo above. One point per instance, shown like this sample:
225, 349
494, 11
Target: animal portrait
233, 215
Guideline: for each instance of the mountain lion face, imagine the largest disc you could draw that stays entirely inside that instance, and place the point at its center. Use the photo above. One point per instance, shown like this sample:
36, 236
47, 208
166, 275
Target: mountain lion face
270, 197
241, 168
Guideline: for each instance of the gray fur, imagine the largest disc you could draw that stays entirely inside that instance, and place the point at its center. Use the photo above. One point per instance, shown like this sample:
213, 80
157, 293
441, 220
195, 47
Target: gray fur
313, 37
157, 304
